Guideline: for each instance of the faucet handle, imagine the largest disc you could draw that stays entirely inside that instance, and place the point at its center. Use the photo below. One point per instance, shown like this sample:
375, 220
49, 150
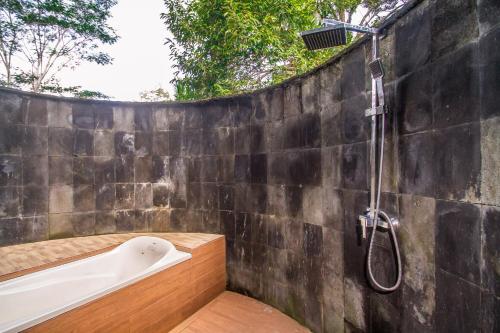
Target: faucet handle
363, 224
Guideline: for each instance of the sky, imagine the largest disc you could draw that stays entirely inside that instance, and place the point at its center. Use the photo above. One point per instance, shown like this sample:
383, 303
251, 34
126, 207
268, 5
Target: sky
141, 60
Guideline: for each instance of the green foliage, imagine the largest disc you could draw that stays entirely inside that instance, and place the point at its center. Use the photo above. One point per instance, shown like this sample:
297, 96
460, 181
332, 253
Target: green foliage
49, 35
226, 46
156, 95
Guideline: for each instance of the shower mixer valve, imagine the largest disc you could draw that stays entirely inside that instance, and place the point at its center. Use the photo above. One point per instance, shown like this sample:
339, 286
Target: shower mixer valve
367, 221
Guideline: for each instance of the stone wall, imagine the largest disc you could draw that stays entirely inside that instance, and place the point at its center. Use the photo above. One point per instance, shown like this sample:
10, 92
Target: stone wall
283, 173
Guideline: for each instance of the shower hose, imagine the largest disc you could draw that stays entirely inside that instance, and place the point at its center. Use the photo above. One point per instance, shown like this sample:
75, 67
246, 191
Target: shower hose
371, 278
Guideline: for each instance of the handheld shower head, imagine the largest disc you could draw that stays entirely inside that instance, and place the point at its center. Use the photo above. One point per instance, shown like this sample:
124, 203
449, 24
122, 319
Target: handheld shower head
325, 37
376, 68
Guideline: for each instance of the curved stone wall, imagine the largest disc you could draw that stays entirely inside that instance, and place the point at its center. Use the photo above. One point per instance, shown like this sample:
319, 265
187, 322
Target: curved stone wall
283, 173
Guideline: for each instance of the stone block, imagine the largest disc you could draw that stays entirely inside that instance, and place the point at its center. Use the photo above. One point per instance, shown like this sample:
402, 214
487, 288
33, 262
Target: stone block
458, 163
352, 80
489, 50
417, 244
11, 106
124, 196
258, 168
35, 200
417, 164
105, 197
104, 143
143, 196
228, 224
313, 240
161, 195
104, 117
10, 202
35, 140
276, 232
125, 220
331, 125
105, 223
83, 224
160, 221
191, 142
83, 198
355, 166
226, 197
60, 114
83, 170
490, 250
123, 119
10, 170
160, 143
178, 220
104, 170
143, 118
174, 143
124, 143
244, 110
356, 305
60, 226
83, 143
454, 24
124, 169
292, 100
143, 169
458, 233
355, 125
456, 92
329, 86
35, 170
458, 304
83, 116
36, 111
414, 102
243, 227
60, 199
414, 29
61, 141
143, 144
60, 170
216, 114
11, 139
310, 92
209, 196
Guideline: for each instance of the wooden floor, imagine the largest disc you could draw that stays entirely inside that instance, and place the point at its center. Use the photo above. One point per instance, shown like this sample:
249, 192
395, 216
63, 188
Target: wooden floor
235, 313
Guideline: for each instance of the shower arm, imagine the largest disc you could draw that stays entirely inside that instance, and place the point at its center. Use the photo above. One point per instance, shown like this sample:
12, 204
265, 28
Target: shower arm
352, 27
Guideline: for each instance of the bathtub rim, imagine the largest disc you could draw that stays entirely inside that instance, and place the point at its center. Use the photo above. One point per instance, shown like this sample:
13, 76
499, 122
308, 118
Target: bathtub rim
13, 326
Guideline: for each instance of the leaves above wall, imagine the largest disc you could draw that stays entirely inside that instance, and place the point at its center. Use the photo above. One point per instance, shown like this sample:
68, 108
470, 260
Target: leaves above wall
224, 46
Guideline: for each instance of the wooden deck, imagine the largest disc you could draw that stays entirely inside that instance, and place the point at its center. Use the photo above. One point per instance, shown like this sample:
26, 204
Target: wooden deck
235, 313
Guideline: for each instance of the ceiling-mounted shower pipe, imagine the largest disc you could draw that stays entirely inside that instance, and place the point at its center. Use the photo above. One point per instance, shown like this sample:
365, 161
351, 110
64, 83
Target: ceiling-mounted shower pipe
334, 33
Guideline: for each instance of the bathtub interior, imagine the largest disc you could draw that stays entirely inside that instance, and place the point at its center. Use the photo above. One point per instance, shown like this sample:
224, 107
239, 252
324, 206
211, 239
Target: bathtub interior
140, 254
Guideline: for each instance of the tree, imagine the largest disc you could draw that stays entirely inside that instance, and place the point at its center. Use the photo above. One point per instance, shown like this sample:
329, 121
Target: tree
225, 46
49, 35
156, 95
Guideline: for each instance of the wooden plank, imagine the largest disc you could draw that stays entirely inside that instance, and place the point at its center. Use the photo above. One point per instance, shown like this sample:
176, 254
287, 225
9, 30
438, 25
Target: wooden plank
234, 313
155, 304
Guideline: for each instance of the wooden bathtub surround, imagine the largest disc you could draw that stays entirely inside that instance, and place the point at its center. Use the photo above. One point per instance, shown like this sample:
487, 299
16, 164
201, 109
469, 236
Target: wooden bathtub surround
235, 313
17, 260
157, 303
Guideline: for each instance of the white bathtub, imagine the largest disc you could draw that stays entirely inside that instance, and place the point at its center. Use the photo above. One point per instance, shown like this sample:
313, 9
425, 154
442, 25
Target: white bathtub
34, 298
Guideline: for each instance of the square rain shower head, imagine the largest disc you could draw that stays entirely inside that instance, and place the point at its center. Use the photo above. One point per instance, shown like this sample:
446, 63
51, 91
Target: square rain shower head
325, 37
